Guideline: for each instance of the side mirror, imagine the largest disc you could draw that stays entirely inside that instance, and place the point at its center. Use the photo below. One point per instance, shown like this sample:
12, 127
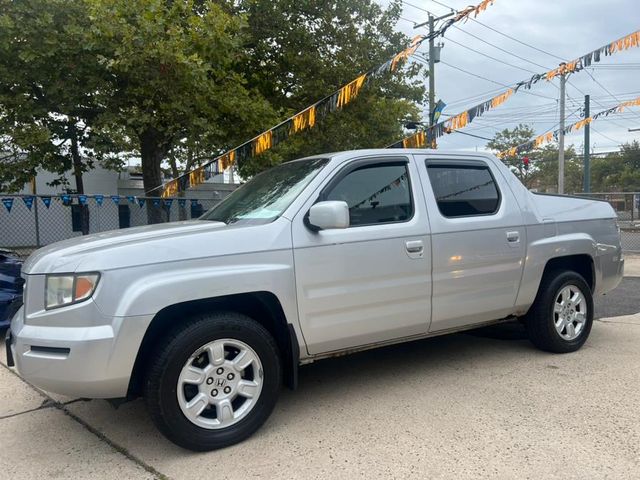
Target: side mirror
329, 214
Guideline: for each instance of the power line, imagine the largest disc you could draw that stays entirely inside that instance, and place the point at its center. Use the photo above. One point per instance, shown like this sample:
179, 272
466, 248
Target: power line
504, 34
489, 56
500, 48
472, 135
484, 41
606, 136
516, 40
606, 90
474, 97
596, 102
423, 9
493, 81
484, 125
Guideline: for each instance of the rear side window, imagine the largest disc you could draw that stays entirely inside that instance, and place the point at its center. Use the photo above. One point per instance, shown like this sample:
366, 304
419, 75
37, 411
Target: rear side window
463, 190
375, 194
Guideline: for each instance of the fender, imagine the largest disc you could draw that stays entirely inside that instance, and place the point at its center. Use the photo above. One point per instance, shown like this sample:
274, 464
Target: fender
539, 252
143, 292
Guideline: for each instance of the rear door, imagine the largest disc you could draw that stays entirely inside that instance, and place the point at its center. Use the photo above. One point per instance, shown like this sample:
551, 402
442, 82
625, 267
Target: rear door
478, 241
370, 282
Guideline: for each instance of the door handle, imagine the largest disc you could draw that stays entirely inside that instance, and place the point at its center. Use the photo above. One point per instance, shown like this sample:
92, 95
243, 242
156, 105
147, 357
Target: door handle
414, 246
513, 237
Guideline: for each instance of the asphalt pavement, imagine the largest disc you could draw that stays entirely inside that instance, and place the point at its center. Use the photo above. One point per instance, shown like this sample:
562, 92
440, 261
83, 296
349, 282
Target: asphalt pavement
483, 404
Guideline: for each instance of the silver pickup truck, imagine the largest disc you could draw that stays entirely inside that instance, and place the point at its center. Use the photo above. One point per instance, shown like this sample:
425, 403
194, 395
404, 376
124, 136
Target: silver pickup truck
315, 258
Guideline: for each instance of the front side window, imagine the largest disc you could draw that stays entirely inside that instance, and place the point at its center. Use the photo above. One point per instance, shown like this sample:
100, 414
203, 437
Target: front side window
464, 190
267, 195
375, 194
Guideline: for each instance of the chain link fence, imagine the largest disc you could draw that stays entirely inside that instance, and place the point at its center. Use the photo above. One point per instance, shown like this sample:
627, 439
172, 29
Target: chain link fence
28, 222
627, 207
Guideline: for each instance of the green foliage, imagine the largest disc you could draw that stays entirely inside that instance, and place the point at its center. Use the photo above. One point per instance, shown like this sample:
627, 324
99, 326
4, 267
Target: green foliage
181, 82
512, 138
617, 172
302, 50
48, 91
175, 77
544, 176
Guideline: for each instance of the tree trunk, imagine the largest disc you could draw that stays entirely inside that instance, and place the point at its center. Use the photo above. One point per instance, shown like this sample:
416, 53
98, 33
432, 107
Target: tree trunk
77, 173
152, 152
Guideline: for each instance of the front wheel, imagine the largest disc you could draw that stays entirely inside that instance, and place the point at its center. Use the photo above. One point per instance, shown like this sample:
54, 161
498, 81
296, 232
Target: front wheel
561, 318
214, 381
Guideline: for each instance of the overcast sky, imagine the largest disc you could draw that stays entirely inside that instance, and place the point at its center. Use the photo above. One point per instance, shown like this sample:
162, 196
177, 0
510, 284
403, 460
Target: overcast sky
564, 28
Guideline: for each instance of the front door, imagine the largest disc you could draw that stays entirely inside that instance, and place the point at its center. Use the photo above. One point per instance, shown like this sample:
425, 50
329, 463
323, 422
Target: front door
370, 282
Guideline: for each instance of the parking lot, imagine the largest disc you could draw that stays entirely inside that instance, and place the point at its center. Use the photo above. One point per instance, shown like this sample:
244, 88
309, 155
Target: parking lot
481, 404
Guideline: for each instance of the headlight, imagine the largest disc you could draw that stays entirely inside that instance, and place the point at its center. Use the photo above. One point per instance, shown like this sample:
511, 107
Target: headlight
64, 290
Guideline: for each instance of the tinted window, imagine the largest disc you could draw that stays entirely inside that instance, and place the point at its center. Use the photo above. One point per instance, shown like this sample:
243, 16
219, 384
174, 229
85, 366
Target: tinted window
464, 190
375, 194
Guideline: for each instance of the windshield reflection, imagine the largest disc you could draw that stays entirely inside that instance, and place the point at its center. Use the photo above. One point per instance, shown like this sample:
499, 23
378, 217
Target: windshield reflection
263, 198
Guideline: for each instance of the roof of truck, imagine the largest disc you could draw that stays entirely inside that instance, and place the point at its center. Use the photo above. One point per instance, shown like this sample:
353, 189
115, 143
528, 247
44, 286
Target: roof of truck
395, 151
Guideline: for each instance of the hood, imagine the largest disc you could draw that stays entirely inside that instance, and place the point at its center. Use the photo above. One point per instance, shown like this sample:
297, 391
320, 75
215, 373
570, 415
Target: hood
561, 208
157, 244
65, 256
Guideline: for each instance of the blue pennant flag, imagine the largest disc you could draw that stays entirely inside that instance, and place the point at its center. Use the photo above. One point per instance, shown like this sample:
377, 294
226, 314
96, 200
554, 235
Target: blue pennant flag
8, 203
437, 110
168, 202
141, 202
28, 201
194, 202
156, 202
99, 199
82, 199
116, 199
131, 199
182, 202
66, 199
46, 201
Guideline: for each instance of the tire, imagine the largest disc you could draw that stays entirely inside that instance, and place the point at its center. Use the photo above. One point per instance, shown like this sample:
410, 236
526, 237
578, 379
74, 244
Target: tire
176, 366
544, 321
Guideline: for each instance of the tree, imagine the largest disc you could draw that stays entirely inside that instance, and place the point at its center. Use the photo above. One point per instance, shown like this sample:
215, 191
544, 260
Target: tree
180, 82
542, 172
618, 171
49, 84
174, 76
509, 138
301, 51
544, 168
298, 52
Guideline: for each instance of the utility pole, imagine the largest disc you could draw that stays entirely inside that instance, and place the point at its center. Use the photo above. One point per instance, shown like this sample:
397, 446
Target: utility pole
563, 80
432, 72
434, 57
586, 178
634, 129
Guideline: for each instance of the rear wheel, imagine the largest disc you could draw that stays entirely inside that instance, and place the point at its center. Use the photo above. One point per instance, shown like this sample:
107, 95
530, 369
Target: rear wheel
561, 318
214, 381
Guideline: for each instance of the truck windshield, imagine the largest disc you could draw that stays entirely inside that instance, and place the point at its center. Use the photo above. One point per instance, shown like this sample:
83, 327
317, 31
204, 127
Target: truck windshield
263, 198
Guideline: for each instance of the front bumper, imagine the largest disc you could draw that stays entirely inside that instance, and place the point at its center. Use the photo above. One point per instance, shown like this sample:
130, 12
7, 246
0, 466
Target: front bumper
88, 362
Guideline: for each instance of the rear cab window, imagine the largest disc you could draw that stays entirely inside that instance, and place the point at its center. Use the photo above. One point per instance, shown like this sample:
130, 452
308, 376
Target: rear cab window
463, 189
